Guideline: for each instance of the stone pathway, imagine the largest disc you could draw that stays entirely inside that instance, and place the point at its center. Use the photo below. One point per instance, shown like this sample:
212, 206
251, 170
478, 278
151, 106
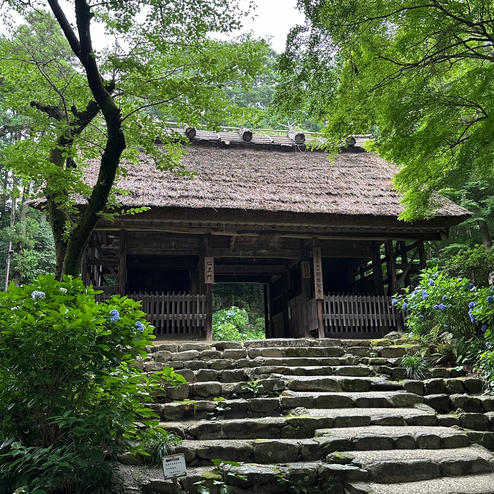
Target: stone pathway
333, 416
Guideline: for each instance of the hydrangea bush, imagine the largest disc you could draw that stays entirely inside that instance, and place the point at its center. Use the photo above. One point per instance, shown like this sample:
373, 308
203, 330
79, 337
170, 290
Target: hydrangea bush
453, 307
71, 392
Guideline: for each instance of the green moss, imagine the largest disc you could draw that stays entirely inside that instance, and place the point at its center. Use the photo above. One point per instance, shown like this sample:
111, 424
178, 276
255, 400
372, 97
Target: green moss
211, 475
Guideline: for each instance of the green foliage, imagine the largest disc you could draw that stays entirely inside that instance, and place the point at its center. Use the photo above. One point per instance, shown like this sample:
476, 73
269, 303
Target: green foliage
475, 264
418, 75
232, 324
224, 472
416, 366
33, 248
71, 395
254, 387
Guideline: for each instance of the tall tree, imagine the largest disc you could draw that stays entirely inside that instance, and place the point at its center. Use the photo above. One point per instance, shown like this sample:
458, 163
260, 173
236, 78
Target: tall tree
420, 74
90, 102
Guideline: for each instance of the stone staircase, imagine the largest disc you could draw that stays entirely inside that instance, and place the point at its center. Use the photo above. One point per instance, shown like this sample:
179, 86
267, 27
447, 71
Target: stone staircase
332, 416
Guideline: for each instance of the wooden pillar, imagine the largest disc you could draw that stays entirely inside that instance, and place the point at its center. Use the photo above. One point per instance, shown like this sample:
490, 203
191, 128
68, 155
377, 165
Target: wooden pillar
285, 285
122, 266
377, 269
209, 281
267, 310
404, 264
207, 263
306, 280
318, 287
422, 255
391, 268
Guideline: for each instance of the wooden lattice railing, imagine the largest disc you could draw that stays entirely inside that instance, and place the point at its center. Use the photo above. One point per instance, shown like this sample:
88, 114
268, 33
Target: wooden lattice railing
362, 316
179, 315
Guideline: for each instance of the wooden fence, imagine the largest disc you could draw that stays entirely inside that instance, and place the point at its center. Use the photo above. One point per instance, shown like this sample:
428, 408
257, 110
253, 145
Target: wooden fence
175, 315
356, 316
359, 316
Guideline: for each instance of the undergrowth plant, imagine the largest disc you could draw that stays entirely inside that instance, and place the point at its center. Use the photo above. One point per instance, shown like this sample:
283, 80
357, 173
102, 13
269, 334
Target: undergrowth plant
220, 482
71, 394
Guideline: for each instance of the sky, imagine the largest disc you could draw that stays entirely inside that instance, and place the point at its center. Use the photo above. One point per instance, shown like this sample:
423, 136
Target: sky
273, 19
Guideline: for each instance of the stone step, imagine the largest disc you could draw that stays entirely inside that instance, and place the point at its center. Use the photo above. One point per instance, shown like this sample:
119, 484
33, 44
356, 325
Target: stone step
255, 478
329, 383
346, 399
401, 465
393, 437
465, 484
214, 389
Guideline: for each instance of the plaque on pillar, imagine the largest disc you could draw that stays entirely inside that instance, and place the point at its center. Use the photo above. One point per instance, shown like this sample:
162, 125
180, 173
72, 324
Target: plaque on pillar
318, 281
209, 270
305, 270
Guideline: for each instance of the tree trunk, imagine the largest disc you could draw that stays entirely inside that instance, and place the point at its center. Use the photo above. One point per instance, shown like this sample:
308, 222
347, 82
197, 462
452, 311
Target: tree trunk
484, 233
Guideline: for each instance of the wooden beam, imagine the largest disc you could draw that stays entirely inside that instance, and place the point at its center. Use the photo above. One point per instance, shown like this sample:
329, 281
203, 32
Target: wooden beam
122, 267
318, 287
377, 269
391, 268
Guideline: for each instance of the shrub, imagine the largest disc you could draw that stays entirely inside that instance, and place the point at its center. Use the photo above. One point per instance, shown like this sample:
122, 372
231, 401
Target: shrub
233, 324
416, 366
438, 301
475, 264
71, 394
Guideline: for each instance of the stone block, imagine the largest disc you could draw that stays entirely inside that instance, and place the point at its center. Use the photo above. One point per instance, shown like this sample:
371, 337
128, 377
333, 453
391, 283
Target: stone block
403, 471
188, 355
453, 386
427, 441
206, 389
393, 351
439, 372
279, 451
440, 402
412, 386
207, 375
233, 353
465, 402
475, 421
473, 385
163, 356
434, 386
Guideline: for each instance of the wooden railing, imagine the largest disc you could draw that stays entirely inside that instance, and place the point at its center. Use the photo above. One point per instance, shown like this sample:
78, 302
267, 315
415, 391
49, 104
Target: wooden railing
359, 316
176, 315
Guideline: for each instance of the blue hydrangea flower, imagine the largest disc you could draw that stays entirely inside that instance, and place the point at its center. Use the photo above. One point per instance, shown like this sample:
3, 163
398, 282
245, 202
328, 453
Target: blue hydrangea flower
140, 327
114, 315
404, 306
444, 298
435, 307
37, 294
490, 299
441, 307
471, 305
431, 283
394, 302
471, 287
488, 344
483, 327
472, 317
425, 295
421, 317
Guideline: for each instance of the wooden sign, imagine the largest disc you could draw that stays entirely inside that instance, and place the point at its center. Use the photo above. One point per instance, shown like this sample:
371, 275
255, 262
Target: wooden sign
174, 466
209, 270
305, 270
318, 282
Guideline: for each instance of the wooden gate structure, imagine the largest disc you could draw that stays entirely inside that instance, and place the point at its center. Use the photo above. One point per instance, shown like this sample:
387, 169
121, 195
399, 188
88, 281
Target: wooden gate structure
323, 239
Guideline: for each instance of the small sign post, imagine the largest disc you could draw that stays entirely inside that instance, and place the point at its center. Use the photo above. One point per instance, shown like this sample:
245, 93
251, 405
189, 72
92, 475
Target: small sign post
174, 467
209, 270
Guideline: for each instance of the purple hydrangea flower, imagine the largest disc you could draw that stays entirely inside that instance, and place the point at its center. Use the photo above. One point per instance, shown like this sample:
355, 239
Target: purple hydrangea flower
394, 302
435, 307
483, 328
471, 305
37, 294
431, 283
421, 317
488, 344
140, 327
444, 298
114, 315
472, 317
490, 299
425, 295
442, 307
404, 306
471, 287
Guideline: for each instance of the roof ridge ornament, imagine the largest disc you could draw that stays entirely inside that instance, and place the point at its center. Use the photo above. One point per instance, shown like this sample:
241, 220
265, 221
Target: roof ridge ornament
245, 134
296, 136
190, 132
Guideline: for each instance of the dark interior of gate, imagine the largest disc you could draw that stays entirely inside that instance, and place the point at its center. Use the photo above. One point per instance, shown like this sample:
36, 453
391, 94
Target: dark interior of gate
168, 273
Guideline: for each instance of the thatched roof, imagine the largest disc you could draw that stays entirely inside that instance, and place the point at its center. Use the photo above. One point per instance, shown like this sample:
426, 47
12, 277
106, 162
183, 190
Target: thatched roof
253, 179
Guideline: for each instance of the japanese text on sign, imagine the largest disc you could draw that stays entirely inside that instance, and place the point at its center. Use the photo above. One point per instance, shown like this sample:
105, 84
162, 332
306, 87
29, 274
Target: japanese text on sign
174, 466
318, 283
209, 270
